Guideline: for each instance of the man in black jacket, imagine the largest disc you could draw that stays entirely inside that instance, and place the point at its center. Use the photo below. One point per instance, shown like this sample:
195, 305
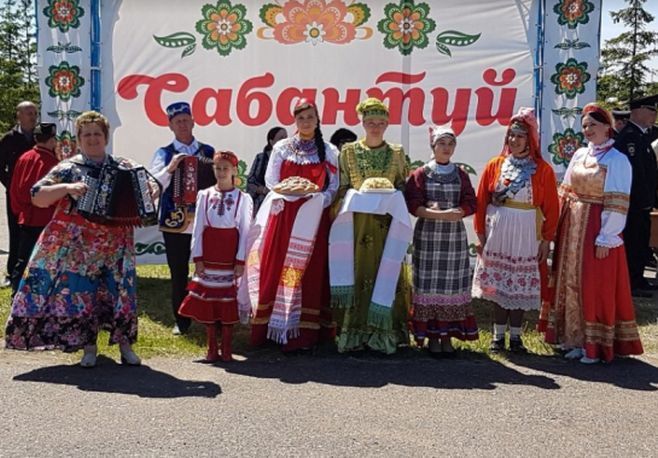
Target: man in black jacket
633, 141
12, 145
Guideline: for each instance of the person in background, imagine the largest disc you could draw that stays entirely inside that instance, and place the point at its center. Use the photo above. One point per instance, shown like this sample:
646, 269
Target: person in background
515, 222
12, 145
591, 313
256, 186
32, 166
175, 219
342, 136
620, 119
633, 141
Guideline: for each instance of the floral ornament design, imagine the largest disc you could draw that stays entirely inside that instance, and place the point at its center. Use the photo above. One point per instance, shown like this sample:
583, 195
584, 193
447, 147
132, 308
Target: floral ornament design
314, 22
153, 248
64, 47
66, 145
565, 145
63, 14
64, 81
573, 12
572, 44
570, 78
406, 26
567, 113
64, 114
223, 28
240, 180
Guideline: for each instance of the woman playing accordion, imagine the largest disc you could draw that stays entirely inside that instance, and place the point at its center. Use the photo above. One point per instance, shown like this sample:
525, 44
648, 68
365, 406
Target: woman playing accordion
81, 276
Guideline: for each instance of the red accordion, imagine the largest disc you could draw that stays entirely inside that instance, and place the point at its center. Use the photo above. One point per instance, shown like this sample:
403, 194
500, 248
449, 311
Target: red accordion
192, 174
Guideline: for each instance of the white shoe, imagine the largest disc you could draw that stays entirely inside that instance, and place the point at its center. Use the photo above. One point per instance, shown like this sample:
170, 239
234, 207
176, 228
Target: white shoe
586, 360
89, 357
176, 330
128, 356
575, 353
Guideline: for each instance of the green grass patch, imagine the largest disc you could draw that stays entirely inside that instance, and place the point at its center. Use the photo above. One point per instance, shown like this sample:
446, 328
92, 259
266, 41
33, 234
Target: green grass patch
156, 322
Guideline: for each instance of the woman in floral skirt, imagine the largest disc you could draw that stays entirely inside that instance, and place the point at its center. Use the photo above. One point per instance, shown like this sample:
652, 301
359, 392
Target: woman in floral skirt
81, 276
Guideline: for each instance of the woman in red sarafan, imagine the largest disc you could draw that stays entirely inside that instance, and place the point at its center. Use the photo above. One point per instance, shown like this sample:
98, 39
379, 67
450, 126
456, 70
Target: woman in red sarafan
288, 263
591, 313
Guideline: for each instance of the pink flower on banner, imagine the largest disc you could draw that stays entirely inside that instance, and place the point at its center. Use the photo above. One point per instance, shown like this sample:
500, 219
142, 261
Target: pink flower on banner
314, 21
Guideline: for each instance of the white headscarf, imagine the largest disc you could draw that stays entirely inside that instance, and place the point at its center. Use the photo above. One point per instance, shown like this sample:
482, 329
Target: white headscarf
436, 132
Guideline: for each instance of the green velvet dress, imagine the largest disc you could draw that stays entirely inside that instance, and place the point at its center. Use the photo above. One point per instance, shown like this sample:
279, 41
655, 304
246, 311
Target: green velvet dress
357, 163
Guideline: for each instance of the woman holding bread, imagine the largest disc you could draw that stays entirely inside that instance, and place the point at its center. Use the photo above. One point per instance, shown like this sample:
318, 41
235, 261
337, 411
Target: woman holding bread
369, 238
287, 264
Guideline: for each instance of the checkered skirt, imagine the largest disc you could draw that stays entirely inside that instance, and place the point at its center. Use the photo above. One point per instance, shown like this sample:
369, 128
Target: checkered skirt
440, 259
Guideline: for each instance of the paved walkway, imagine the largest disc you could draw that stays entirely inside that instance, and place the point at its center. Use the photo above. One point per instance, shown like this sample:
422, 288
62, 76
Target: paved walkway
329, 406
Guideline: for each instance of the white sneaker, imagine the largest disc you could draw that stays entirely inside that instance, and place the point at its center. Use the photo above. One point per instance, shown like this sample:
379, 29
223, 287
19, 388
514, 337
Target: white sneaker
128, 356
575, 353
89, 357
176, 330
586, 360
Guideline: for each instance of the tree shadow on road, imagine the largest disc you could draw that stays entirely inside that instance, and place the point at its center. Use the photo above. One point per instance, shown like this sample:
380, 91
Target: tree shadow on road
627, 373
110, 377
408, 368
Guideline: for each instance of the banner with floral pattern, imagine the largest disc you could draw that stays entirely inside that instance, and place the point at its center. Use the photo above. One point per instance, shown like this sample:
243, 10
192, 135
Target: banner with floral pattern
571, 56
64, 65
243, 65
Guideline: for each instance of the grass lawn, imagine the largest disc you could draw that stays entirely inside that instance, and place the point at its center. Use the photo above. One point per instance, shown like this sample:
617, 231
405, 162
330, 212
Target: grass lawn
156, 321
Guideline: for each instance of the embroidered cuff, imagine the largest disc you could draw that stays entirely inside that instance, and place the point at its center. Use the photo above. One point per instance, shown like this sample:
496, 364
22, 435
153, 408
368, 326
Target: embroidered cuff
239, 262
197, 259
616, 202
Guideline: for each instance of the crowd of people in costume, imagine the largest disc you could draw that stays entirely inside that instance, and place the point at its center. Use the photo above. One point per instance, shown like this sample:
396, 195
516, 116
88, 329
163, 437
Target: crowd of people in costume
314, 250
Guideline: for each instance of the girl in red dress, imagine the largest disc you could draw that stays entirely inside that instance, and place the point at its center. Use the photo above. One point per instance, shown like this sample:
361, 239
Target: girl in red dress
219, 245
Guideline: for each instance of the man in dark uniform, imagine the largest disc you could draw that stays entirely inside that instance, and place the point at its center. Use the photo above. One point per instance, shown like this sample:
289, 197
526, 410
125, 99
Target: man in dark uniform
12, 145
633, 141
621, 119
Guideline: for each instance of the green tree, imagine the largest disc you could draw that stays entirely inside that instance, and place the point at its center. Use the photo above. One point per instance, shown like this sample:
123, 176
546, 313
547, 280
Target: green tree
18, 79
624, 71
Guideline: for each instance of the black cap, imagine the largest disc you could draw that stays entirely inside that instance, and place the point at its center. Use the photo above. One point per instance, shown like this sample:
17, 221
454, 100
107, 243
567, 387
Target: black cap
621, 114
650, 102
45, 129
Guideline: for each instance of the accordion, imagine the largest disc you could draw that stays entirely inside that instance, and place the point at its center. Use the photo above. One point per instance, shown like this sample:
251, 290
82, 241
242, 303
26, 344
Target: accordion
118, 196
192, 174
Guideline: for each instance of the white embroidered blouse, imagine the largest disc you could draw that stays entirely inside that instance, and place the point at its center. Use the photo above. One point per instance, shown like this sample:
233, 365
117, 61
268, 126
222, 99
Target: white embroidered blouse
617, 184
284, 150
220, 209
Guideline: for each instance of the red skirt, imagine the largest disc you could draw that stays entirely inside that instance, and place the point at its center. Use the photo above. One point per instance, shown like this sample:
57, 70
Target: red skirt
212, 295
606, 307
316, 321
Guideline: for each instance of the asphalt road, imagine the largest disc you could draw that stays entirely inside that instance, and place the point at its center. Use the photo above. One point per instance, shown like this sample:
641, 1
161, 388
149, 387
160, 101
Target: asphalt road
331, 405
